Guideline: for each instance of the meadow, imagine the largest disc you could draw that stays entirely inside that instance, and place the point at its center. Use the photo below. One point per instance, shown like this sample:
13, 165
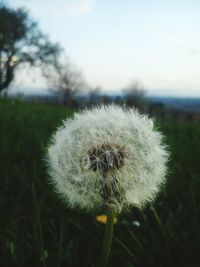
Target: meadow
37, 229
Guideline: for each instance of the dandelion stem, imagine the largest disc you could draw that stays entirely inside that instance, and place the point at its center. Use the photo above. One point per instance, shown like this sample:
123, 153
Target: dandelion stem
107, 240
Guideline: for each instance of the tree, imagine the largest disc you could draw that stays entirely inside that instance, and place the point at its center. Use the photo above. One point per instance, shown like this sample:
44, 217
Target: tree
21, 42
66, 81
94, 95
135, 95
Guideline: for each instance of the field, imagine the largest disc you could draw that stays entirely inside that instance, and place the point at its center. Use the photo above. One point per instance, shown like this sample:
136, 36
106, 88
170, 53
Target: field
36, 229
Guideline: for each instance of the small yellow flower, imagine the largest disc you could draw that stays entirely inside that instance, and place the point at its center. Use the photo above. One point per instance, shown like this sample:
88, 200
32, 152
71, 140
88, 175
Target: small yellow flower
103, 219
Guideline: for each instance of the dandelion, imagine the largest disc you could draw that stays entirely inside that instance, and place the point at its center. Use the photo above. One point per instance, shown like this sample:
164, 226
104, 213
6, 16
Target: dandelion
103, 219
109, 159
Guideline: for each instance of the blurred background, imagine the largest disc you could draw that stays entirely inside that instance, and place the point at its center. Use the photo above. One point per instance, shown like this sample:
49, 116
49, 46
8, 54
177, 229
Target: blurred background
58, 57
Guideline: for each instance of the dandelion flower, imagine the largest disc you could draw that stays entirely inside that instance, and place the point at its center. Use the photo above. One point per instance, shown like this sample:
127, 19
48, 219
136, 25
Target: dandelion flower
107, 157
103, 219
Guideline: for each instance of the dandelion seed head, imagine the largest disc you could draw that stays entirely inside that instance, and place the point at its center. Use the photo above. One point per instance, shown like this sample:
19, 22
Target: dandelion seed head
107, 157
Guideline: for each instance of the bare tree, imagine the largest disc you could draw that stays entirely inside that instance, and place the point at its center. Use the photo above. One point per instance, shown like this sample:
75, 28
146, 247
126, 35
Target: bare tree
135, 95
94, 95
66, 81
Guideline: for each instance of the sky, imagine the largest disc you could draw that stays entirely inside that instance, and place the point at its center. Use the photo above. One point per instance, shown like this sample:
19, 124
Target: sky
115, 42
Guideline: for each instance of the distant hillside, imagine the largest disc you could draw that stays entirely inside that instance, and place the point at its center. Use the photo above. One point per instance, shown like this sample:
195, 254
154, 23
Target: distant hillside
187, 104
182, 103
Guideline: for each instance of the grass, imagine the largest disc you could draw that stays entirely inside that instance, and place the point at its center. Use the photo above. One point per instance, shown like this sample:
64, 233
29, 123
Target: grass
36, 229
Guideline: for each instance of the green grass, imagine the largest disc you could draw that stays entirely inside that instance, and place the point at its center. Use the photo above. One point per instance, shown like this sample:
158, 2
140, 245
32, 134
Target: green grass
36, 229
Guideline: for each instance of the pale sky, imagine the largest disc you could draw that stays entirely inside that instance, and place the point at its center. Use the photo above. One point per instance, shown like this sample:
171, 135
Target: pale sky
114, 42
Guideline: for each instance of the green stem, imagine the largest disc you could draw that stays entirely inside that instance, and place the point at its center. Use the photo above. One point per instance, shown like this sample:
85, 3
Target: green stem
107, 240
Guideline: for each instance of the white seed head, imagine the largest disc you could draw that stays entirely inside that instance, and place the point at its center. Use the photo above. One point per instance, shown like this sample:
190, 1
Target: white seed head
107, 157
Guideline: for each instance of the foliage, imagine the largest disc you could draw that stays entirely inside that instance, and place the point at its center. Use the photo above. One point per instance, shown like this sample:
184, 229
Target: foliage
37, 230
21, 42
